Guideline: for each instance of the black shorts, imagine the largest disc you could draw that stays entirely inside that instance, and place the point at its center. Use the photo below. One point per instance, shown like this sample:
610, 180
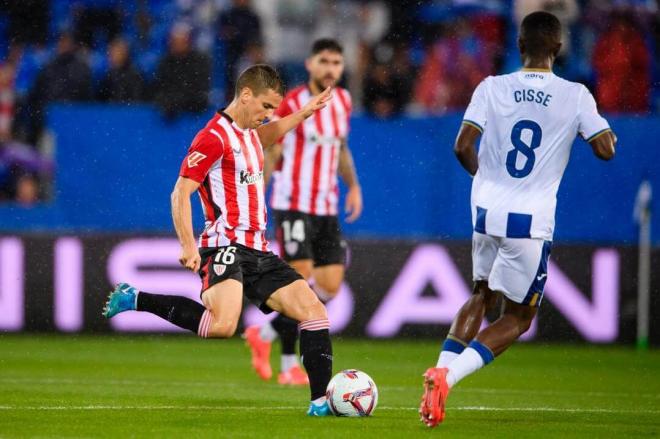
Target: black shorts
304, 236
261, 273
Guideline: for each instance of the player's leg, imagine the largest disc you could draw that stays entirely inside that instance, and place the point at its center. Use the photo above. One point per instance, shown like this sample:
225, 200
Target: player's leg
519, 273
468, 321
180, 311
297, 301
222, 297
223, 304
293, 231
464, 328
217, 318
329, 252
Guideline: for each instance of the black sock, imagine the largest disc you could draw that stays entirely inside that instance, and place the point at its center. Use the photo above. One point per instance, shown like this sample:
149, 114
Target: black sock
316, 351
287, 329
181, 311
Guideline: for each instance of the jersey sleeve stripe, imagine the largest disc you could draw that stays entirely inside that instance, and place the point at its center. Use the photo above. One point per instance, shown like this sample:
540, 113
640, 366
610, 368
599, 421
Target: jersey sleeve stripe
598, 134
216, 134
473, 124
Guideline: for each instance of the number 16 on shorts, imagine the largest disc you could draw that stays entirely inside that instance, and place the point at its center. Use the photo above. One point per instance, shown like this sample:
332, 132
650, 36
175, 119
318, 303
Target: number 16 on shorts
225, 256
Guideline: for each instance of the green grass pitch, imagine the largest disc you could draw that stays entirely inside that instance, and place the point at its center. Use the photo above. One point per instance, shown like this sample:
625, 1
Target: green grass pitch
176, 386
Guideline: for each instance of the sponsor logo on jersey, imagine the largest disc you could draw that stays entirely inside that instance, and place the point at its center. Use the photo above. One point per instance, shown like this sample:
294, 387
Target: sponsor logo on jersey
194, 158
251, 178
316, 138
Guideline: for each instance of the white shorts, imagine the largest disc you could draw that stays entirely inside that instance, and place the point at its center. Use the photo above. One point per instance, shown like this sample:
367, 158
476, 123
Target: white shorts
516, 267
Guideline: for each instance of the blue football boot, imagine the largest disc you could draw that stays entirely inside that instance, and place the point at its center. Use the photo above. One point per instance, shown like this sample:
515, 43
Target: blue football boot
319, 410
123, 298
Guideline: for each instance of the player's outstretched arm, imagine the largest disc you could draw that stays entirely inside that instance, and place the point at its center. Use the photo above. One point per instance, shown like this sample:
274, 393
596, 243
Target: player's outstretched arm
270, 132
348, 173
465, 148
603, 145
182, 217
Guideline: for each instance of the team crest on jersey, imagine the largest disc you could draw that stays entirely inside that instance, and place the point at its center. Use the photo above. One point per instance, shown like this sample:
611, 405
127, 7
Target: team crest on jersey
194, 158
251, 178
219, 269
291, 248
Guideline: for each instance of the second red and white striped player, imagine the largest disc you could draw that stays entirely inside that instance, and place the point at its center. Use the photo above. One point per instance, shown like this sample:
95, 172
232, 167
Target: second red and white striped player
306, 176
231, 189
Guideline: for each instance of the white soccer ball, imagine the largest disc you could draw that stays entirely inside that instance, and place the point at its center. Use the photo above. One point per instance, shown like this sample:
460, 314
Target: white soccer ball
352, 393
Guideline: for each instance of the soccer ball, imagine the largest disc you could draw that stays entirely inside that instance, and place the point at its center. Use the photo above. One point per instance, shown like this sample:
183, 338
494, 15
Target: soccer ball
352, 393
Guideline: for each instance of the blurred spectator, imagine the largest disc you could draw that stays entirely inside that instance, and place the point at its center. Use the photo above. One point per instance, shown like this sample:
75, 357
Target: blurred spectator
254, 54
122, 83
94, 18
202, 16
453, 67
239, 28
27, 190
28, 21
20, 167
7, 101
183, 77
387, 84
622, 64
66, 78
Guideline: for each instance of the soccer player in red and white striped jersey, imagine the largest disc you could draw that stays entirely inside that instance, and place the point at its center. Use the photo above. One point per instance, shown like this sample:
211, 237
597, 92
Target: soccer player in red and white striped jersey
225, 165
305, 166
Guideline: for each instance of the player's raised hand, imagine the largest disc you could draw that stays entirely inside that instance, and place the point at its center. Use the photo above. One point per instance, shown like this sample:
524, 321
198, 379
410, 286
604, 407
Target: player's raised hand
317, 102
190, 258
353, 205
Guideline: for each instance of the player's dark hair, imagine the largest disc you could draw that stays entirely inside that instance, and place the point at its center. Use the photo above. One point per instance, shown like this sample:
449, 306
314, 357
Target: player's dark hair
540, 34
259, 78
326, 44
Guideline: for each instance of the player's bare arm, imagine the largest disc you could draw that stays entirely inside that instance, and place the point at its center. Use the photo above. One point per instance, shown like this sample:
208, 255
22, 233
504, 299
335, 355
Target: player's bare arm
270, 132
353, 205
603, 145
272, 156
182, 217
465, 148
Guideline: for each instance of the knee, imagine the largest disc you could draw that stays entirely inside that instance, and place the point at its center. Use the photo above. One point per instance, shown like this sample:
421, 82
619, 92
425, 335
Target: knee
312, 309
524, 323
329, 287
222, 329
485, 295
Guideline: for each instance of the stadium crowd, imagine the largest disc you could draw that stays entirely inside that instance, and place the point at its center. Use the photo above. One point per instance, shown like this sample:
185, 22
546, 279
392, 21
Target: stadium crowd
402, 57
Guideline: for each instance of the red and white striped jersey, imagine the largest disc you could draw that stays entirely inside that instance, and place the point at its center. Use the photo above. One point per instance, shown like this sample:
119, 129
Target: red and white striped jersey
305, 179
228, 163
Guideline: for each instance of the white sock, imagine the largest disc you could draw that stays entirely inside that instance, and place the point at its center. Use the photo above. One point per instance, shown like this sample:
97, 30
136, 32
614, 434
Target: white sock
322, 294
468, 362
288, 361
445, 358
267, 332
319, 401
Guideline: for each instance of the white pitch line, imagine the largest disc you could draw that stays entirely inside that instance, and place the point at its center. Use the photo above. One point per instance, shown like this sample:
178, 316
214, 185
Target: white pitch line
301, 408
503, 391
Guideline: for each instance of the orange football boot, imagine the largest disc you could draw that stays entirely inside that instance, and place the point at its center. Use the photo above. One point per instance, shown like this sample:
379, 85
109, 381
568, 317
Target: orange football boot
293, 377
436, 390
260, 350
